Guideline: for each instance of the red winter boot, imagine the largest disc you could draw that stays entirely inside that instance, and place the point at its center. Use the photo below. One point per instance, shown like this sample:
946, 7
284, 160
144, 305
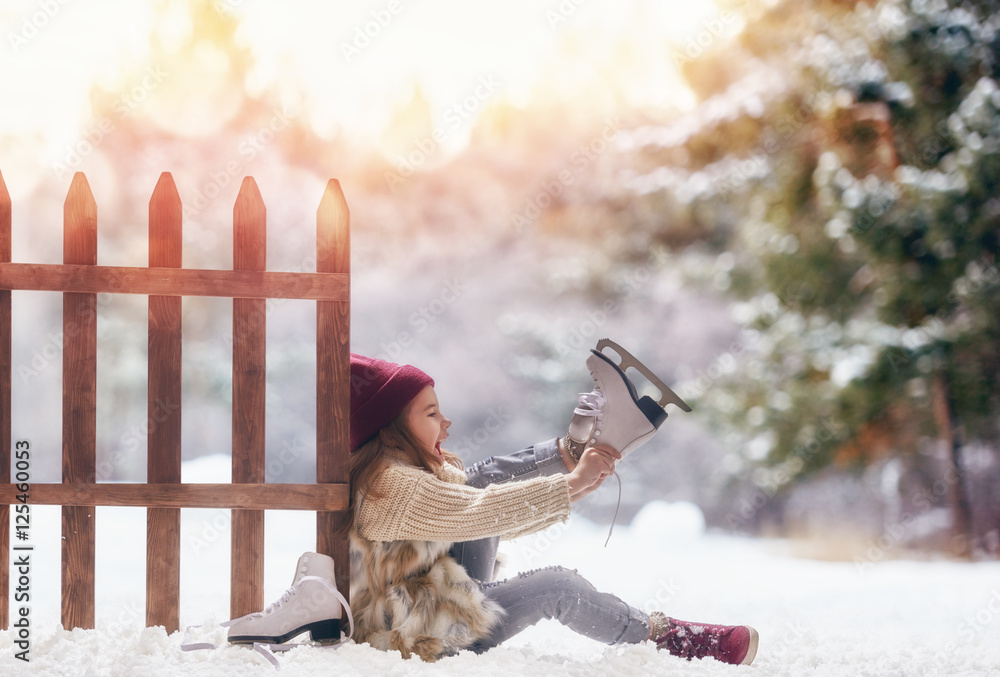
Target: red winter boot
735, 644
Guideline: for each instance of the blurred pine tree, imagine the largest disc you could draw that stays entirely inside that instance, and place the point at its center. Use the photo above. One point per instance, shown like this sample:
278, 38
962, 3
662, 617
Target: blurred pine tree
852, 178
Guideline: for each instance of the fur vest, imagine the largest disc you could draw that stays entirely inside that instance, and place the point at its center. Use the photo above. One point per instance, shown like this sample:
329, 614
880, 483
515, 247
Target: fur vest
413, 597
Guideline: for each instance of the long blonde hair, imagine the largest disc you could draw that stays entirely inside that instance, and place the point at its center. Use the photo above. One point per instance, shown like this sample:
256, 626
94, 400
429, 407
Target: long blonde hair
370, 459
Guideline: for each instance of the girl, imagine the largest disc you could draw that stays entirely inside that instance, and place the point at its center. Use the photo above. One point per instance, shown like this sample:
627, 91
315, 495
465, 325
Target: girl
424, 535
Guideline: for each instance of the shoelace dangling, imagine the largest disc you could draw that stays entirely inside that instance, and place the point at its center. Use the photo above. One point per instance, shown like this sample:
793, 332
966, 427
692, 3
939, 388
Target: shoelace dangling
592, 404
619, 504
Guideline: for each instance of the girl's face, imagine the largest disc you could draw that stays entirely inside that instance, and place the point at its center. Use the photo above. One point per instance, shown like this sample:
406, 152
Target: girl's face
425, 420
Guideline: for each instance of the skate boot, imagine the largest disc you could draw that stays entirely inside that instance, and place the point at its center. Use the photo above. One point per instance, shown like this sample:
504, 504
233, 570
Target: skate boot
312, 604
734, 644
613, 414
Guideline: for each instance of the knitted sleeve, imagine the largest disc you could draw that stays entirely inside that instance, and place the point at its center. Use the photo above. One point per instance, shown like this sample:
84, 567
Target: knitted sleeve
419, 506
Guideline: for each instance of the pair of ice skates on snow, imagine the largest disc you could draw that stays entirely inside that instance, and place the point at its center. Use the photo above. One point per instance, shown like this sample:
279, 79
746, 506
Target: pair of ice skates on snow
612, 414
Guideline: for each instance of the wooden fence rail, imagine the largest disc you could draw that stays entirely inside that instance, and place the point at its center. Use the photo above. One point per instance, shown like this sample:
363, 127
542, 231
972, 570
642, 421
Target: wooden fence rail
163, 495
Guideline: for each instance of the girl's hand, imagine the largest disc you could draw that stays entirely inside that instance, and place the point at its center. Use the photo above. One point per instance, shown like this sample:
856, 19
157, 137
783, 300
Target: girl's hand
596, 463
589, 490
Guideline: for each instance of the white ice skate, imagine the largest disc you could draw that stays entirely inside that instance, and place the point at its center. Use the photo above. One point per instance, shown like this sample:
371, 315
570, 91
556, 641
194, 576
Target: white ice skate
613, 414
312, 604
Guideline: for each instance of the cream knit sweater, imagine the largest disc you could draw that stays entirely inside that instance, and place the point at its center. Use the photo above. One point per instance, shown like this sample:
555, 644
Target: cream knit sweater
423, 506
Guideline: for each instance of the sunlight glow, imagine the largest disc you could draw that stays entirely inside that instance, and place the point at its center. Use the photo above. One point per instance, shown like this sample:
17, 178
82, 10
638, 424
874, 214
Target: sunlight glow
378, 70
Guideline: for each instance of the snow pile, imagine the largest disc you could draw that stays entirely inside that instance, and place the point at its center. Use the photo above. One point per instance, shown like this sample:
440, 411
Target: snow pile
819, 618
671, 524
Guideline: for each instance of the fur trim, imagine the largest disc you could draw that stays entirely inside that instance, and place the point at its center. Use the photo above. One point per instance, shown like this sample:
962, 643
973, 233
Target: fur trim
413, 597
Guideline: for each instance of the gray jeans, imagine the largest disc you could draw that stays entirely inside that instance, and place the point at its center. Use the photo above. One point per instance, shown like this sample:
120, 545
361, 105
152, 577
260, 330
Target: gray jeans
552, 592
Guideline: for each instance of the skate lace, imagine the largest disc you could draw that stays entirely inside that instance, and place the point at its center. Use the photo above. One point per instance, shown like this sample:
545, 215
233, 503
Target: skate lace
273, 606
617, 506
591, 404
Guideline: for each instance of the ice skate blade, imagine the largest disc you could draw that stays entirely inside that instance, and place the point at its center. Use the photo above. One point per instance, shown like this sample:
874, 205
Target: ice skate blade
667, 396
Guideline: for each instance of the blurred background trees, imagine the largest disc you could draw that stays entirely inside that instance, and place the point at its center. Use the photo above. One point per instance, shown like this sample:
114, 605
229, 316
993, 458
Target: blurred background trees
863, 254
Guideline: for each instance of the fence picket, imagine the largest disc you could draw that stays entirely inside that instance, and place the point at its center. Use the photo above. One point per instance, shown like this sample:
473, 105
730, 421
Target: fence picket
163, 452
249, 332
79, 434
333, 373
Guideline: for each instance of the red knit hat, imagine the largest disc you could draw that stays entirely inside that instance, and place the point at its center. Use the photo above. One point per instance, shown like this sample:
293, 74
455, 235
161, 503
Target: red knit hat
380, 390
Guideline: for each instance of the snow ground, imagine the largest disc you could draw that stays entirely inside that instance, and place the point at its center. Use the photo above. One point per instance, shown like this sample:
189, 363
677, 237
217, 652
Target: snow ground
889, 617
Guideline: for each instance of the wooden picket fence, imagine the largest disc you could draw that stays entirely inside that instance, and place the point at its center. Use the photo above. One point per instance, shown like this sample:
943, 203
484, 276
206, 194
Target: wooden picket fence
165, 281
